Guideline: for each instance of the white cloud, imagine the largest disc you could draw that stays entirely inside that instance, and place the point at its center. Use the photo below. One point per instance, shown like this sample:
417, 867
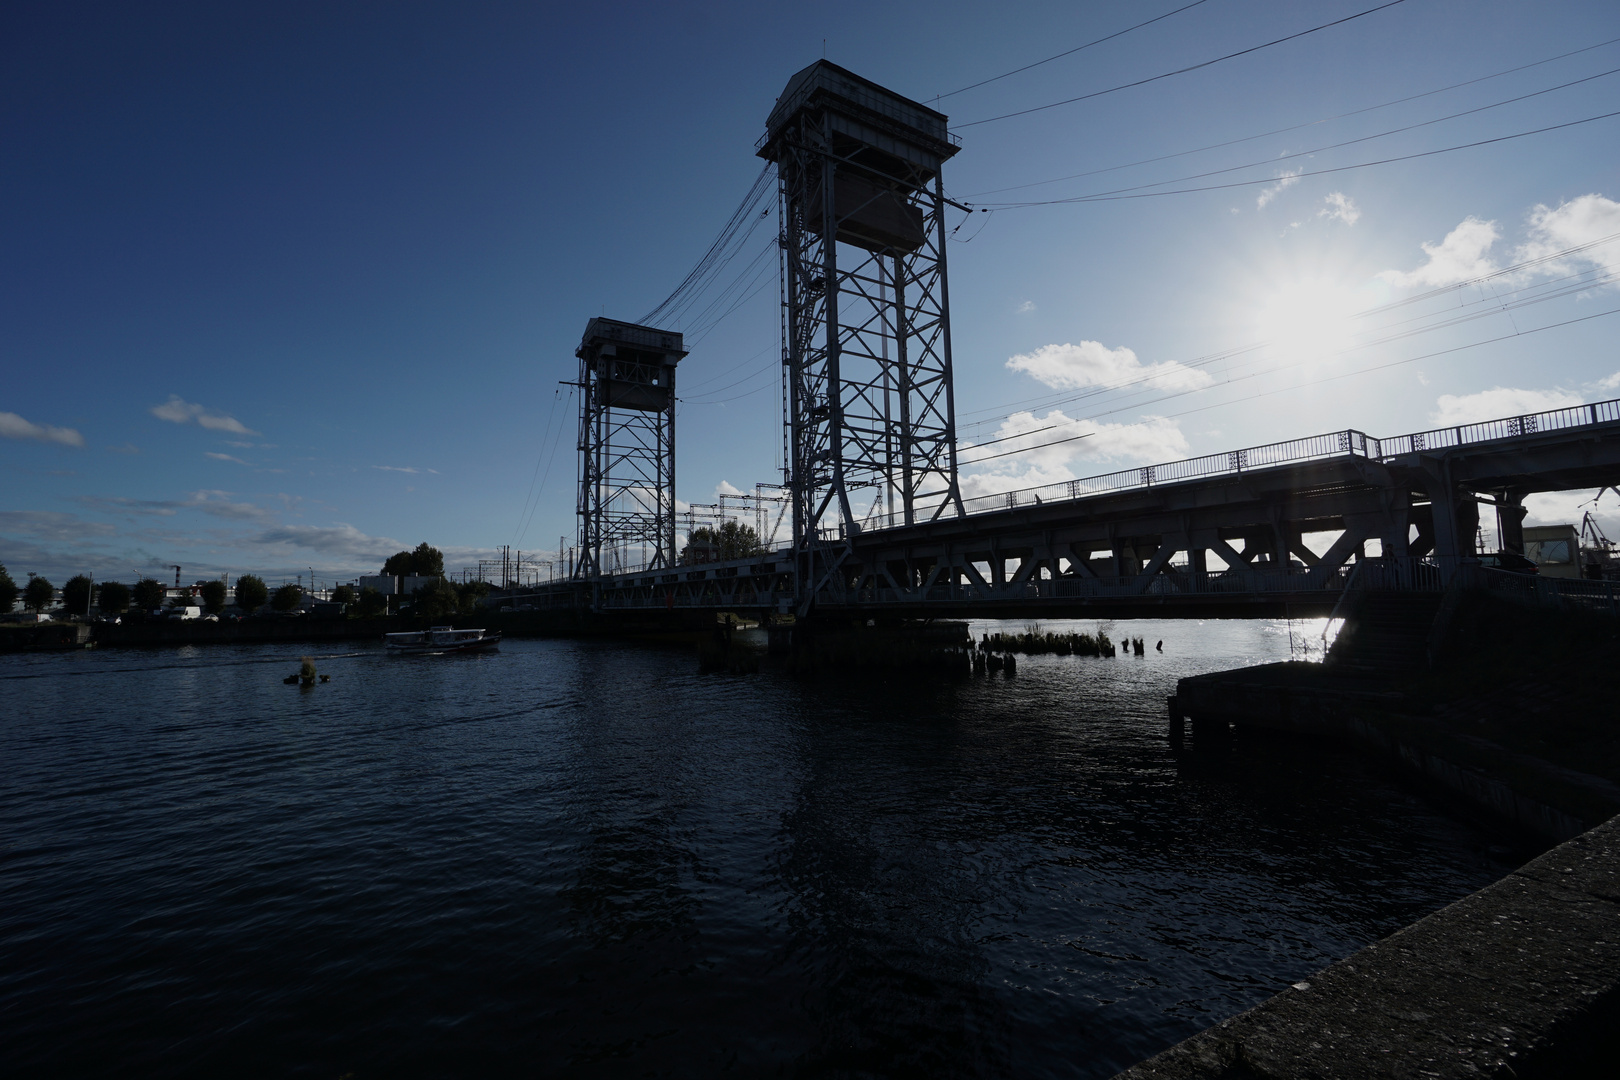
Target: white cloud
179, 411
1579, 221
13, 426
1340, 207
1026, 307
397, 468
52, 526
332, 540
1569, 507
724, 488
1032, 450
1609, 382
1092, 363
218, 503
1498, 402
1459, 257
1285, 180
223, 457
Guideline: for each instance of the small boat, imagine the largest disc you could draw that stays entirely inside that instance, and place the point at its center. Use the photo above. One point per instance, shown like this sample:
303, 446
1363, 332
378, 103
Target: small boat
439, 639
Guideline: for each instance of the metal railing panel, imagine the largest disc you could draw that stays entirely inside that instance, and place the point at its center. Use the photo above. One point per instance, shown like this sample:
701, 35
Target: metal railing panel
1347, 443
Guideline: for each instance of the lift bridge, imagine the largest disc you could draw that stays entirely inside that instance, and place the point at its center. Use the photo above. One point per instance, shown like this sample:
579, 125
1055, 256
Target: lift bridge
880, 527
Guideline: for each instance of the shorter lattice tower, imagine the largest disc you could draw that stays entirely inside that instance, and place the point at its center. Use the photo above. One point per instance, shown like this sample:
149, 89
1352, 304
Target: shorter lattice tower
626, 500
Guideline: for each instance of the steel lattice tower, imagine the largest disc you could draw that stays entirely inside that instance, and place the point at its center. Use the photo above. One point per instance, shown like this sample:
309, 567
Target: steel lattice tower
626, 500
870, 413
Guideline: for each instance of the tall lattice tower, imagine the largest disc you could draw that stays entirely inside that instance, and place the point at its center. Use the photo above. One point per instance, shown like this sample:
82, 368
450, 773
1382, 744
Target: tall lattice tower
866, 321
626, 447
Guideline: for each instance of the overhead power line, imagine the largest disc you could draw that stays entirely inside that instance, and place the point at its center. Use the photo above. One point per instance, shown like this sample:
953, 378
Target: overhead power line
1068, 52
1108, 197
1583, 281
716, 256
1184, 70
1294, 127
1272, 161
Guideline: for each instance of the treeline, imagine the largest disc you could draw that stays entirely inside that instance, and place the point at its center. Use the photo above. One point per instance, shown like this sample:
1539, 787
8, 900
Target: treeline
437, 599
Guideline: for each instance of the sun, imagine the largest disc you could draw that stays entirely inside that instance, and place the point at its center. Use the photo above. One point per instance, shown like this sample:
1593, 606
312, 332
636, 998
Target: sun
1308, 319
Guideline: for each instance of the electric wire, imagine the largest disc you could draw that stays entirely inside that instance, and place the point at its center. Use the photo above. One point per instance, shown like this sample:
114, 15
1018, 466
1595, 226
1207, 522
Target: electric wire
1273, 161
1053, 400
717, 248
1313, 172
1067, 52
1348, 374
539, 457
1292, 127
1027, 449
556, 440
1184, 70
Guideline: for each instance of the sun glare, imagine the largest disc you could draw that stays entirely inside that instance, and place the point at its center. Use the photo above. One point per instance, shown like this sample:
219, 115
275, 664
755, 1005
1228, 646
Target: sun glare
1308, 319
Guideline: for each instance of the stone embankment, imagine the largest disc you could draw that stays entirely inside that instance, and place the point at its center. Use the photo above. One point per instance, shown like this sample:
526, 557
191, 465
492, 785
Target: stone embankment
1521, 979
1512, 714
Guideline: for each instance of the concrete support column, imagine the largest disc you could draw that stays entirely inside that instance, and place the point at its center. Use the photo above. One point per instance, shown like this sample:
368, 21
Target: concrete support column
1454, 519
1510, 513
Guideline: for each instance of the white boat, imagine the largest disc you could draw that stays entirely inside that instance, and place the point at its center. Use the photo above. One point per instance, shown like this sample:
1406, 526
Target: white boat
439, 639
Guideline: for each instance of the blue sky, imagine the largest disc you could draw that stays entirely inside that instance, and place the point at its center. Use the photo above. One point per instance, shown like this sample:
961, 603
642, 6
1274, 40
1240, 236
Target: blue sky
289, 287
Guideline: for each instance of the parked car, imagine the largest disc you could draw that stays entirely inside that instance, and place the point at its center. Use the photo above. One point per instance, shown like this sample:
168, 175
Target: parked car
1512, 562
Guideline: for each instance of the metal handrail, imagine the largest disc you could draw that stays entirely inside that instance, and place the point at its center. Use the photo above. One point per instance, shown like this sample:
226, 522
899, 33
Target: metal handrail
1324, 447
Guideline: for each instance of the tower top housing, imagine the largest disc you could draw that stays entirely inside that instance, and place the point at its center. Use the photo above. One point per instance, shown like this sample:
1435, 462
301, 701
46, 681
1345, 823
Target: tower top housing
895, 139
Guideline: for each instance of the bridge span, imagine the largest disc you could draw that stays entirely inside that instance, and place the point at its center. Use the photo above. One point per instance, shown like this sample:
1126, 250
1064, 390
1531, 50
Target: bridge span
869, 414
1221, 535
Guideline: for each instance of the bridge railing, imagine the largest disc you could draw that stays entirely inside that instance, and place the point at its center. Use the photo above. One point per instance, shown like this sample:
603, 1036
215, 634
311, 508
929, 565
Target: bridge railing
1311, 448
1347, 443
1507, 427
1228, 583
1563, 594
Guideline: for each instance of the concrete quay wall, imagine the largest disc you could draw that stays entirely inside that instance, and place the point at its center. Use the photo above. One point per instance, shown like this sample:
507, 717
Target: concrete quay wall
1521, 979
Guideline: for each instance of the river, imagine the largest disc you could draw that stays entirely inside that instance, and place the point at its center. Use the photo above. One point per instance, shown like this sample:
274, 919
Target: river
584, 858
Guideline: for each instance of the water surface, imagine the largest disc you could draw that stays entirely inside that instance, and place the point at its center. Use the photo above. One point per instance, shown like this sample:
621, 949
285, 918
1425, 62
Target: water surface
585, 858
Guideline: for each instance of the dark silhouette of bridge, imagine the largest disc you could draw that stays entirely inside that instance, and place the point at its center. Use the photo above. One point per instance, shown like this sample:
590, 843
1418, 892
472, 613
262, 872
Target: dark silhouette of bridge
869, 413
1220, 535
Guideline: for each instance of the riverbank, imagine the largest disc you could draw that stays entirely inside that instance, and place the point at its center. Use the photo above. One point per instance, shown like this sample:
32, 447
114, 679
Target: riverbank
1515, 721
1521, 979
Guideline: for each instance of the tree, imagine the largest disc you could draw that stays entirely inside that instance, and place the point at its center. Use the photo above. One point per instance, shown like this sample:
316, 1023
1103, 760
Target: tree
251, 592
8, 591
425, 561
76, 594
114, 596
372, 603
436, 599
731, 540
213, 596
148, 594
38, 593
468, 595
286, 598
343, 594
